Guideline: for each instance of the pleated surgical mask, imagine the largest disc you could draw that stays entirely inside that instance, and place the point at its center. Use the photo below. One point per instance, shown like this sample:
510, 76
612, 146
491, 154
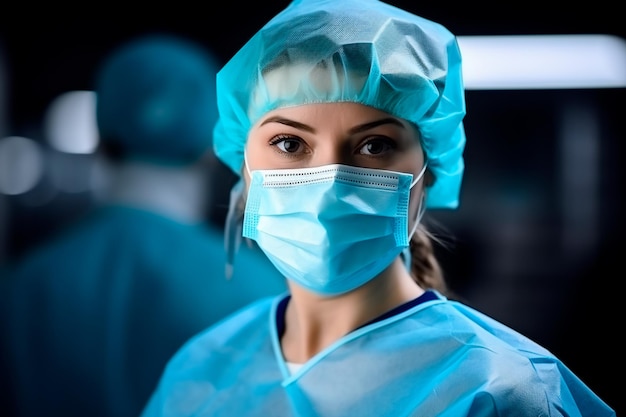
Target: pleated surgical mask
330, 228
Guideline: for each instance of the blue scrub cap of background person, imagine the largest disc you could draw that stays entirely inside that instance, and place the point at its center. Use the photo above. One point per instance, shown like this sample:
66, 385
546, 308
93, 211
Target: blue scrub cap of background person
156, 99
392, 60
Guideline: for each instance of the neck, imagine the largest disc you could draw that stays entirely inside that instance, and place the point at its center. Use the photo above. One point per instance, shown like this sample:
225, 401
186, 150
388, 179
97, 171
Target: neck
313, 323
173, 191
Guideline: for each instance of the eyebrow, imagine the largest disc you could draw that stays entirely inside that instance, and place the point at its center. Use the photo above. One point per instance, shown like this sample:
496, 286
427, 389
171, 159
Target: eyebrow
288, 122
376, 123
356, 129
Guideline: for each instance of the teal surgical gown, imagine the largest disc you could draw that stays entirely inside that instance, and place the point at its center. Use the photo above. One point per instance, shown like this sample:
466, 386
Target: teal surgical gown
436, 358
92, 317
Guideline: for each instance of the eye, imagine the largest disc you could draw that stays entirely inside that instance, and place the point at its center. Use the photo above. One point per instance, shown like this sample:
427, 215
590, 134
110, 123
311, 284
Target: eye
377, 146
287, 143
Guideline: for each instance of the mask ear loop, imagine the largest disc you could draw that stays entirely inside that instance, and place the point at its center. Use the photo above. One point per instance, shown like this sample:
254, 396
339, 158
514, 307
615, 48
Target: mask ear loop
420, 175
406, 252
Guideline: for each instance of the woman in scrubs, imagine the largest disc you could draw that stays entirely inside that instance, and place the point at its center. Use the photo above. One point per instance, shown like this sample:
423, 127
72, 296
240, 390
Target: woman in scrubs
345, 121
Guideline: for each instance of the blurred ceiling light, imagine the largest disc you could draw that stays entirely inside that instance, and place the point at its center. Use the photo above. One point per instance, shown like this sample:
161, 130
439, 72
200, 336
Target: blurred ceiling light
70, 122
543, 62
21, 165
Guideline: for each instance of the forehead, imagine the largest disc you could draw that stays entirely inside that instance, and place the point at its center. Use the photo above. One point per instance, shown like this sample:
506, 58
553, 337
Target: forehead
325, 114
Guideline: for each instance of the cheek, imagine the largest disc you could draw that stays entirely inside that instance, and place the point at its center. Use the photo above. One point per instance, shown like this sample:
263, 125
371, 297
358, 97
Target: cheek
258, 151
409, 157
415, 200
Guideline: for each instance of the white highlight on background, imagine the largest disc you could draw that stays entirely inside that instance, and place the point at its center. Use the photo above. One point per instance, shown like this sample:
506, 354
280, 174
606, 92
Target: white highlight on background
70, 122
543, 62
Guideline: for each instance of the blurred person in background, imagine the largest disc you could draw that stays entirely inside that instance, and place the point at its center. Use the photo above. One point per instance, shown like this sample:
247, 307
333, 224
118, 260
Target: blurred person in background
344, 120
94, 312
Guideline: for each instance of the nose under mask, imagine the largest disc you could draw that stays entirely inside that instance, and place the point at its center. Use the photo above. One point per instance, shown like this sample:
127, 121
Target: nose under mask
330, 228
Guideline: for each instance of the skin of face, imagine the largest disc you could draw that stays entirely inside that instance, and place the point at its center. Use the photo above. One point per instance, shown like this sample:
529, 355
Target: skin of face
313, 135
352, 134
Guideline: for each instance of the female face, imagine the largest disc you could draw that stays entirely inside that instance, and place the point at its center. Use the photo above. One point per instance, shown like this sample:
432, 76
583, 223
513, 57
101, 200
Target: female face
346, 133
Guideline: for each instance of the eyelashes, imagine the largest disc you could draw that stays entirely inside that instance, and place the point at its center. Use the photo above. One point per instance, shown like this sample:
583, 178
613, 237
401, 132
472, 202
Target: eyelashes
372, 146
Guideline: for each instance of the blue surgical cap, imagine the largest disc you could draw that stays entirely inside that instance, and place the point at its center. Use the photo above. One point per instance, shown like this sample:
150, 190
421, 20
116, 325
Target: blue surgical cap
362, 51
156, 99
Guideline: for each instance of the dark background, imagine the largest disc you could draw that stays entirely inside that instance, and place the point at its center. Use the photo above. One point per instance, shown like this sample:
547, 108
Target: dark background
533, 247
52, 50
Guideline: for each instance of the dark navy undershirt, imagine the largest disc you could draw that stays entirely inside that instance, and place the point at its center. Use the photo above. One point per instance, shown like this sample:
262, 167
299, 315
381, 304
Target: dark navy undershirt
427, 296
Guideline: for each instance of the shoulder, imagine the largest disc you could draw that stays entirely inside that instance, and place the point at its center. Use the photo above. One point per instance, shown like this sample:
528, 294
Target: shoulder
467, 325
217, 351
496, 332
500, 367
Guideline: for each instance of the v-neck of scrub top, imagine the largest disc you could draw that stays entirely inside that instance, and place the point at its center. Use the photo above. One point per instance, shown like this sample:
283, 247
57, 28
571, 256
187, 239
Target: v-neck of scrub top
292, 367
428, 295
281, 308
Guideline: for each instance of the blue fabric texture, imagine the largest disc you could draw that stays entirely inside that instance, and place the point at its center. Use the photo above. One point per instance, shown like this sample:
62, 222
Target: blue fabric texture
439, 358
362, 51
319, 226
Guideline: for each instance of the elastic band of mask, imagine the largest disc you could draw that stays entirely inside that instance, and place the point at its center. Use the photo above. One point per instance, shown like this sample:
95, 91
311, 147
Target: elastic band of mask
420, 175
420, 213
245, 162
422, 208
406, 252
